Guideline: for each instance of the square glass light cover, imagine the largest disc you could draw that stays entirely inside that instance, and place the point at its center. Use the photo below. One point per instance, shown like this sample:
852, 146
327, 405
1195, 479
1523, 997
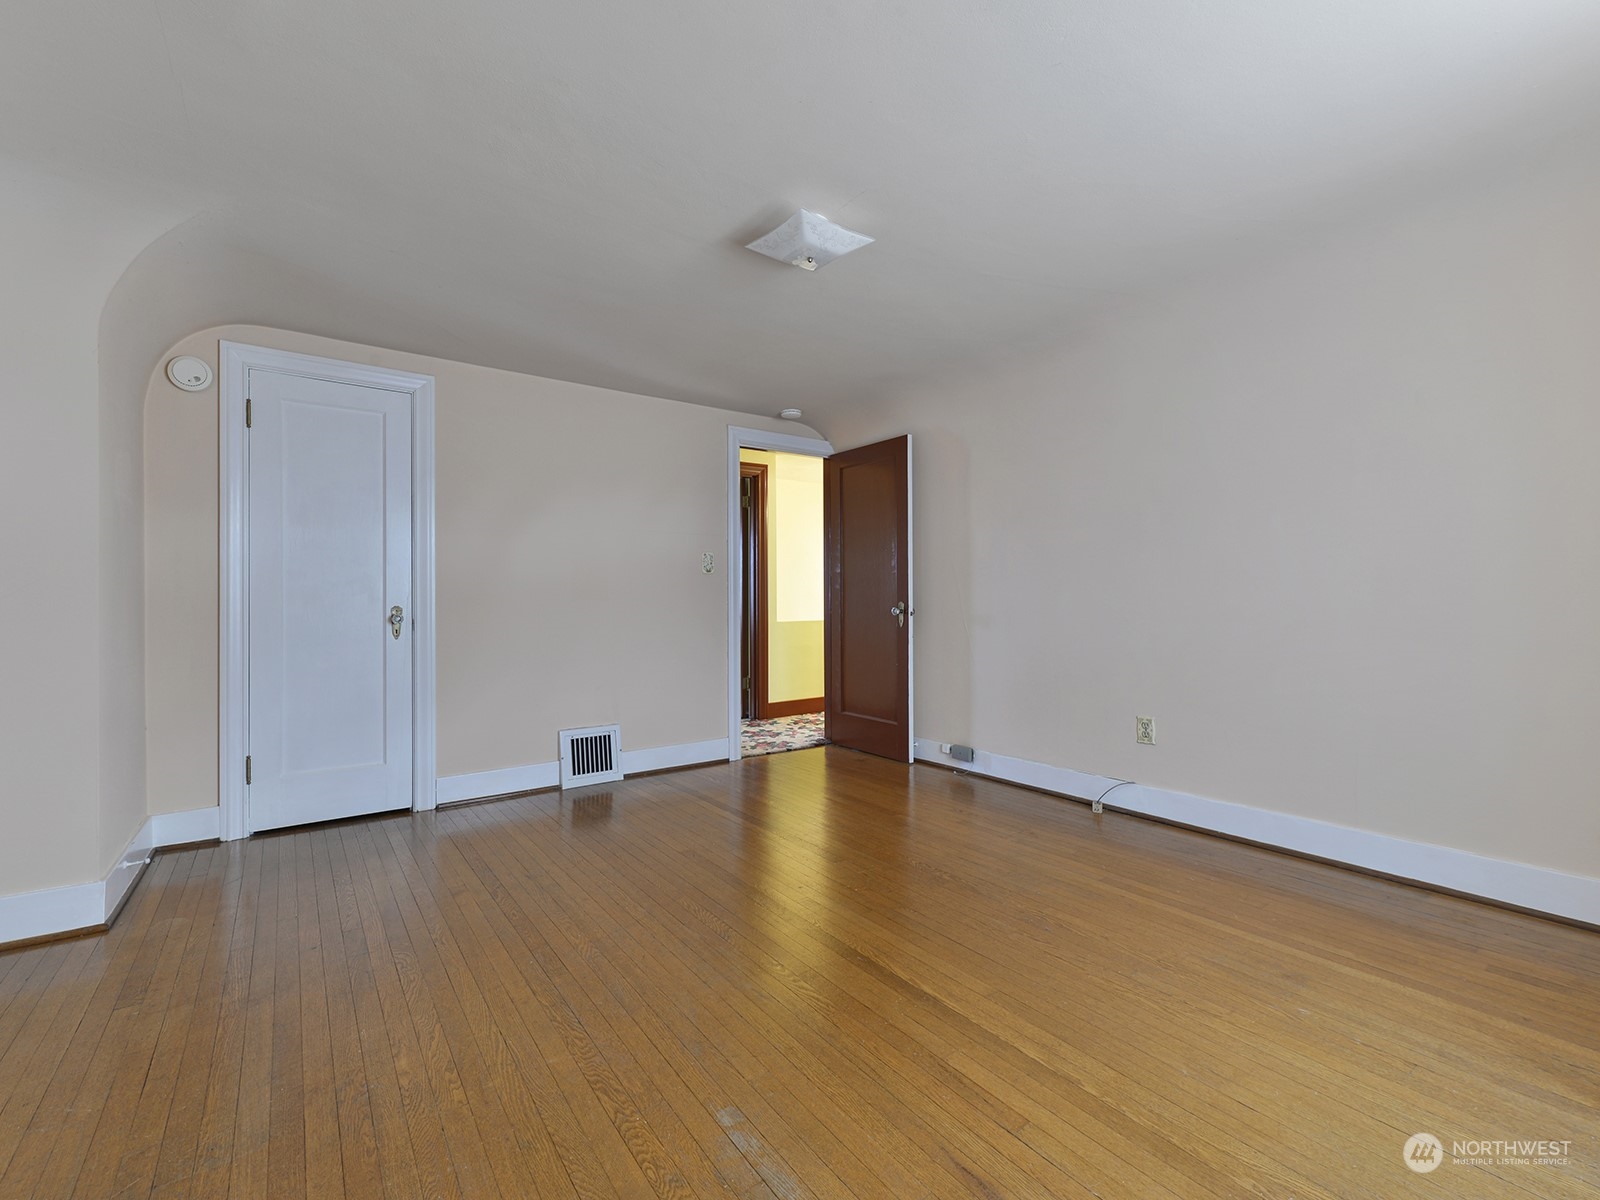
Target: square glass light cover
808, 241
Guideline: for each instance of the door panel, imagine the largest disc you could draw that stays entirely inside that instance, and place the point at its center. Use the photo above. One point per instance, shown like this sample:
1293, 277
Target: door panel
330, 555
867, 548
753, 585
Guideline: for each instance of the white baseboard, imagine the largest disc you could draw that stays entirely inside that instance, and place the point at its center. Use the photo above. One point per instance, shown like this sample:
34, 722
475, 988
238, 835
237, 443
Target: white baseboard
52, 910
1576, 897
181, 828
453, 789
660, 758
88, 905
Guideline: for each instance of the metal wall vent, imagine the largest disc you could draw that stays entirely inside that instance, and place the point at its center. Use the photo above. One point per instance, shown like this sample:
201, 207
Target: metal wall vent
592, 755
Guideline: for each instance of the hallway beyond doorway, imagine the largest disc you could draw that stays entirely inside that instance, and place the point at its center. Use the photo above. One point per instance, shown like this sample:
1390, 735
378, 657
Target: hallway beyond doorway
777, 734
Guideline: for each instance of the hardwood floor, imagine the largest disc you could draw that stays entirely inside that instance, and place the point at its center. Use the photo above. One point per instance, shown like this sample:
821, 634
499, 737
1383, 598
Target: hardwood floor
811, 975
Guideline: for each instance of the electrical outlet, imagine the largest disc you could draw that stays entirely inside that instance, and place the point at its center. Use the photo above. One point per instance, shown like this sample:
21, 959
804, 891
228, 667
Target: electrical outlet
1144, 730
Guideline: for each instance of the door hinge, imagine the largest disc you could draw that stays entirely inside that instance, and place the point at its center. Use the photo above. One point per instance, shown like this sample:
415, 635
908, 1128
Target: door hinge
744, 501
247, 412
247, 770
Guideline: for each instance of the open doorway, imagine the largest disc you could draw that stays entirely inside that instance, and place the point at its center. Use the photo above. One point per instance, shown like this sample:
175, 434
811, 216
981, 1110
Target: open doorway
781, 655
866, 582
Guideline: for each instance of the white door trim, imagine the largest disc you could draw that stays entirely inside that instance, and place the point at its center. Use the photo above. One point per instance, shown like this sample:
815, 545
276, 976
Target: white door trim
235, 360
753, 439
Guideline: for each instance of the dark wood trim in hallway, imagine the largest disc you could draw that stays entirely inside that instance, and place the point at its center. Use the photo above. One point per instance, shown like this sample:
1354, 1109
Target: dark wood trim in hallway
815, 974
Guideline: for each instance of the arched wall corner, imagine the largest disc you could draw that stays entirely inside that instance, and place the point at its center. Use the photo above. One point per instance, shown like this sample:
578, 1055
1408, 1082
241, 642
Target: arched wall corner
68, 477
198, 273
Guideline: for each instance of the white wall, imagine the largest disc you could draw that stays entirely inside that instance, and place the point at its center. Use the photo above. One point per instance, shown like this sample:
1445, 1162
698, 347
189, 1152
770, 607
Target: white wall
1332, 522
571, 524
69, 796
1329, 521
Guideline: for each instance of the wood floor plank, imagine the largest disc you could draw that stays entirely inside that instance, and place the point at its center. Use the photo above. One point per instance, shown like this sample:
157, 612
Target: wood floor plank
443, 1129
43, 986
814, 975
397, 1164
178, 1159
135, 1111
527, 1166
809, 1058
209, 1172
899, 942
529, 1085
675, 1164
812, 999
248, 1176
26, 982
358, 1172
1091, 1131
318, 1115
50, 1151
286, 1098
200, 910
1082, 1160
579, 958
574, 1112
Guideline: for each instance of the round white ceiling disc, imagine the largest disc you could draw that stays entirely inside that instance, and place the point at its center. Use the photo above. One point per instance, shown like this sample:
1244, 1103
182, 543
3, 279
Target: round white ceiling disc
190, 373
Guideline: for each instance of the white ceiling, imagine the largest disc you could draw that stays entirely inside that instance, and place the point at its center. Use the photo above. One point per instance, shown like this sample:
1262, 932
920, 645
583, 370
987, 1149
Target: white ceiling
565, 187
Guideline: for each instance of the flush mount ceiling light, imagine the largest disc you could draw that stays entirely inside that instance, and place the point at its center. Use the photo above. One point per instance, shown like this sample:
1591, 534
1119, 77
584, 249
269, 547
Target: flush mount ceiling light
808, 241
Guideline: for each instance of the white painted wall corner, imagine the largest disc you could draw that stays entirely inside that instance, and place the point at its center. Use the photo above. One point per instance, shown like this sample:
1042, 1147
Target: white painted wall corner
87, 905
125, 873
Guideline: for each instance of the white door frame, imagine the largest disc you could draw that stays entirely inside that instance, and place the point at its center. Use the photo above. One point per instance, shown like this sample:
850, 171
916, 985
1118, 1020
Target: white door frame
751, 439
235, 361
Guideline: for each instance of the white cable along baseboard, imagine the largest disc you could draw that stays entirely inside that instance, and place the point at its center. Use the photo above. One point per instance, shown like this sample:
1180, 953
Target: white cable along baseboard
1576, 897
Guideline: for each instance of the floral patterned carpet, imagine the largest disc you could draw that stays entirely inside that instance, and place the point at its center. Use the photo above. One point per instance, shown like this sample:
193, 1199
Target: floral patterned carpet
781, 733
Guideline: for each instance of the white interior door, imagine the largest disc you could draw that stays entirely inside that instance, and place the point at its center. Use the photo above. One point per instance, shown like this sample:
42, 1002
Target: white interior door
329, 584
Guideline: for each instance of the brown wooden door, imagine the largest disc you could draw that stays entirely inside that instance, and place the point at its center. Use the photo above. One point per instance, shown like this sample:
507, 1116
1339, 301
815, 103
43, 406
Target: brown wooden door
753, 590
866, 504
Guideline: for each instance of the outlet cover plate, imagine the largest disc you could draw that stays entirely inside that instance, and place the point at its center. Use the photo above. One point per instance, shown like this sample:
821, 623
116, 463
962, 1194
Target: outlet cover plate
1144, 730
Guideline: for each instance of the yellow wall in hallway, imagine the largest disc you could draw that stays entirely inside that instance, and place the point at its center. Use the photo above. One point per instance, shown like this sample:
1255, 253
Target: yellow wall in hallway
794, 574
